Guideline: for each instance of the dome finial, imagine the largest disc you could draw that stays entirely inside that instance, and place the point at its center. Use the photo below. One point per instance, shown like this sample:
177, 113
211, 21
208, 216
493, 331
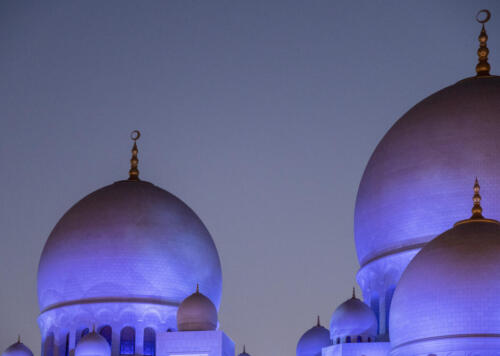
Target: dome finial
197, 288
353, 292
318, 323
18, 338
477, 210
244, 349
483, 67
133, 173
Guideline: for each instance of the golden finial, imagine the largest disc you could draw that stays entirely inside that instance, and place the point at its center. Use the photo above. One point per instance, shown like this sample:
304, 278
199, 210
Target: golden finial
318, 323
477, 210
133, 173
353, 292
483, 67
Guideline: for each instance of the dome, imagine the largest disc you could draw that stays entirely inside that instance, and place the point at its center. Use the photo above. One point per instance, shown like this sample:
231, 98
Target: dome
196, 313
447, 298
313, 340
442, 142
353, 319
130, 241
93, 344
17, 349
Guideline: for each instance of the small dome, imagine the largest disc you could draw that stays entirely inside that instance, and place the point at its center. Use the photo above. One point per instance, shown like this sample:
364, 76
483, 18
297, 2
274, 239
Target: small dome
313, 340
353, 319
17, 349
244, 353
93, 344
197, 313
453, 279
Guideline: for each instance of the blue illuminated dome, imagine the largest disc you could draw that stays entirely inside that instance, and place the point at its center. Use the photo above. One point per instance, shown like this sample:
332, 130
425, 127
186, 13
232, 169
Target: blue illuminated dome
313, 340
93, 344
129, 251
429, 155
17, 349
197, 313
353, 321
448, 297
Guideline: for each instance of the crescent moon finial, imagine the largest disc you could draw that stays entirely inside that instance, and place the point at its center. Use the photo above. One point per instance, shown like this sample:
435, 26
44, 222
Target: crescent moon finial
483, 67
133, 173
483, 16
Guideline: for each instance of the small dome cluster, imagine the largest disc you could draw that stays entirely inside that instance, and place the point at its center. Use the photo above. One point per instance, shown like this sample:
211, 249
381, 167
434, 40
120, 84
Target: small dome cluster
197, 313
93, 344
352, 321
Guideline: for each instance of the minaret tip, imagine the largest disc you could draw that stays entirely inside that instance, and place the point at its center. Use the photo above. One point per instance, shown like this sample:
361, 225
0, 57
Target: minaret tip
477, 210
133, 173
483, 67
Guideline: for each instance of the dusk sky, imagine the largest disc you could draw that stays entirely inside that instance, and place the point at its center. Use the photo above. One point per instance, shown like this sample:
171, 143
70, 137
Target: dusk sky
260, 115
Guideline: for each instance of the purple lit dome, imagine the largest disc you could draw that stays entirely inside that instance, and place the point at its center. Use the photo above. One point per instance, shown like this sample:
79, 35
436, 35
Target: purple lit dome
313, 340
197, 313
448, 296
129, 242
17, 349
429, 155
93, 344
353, 321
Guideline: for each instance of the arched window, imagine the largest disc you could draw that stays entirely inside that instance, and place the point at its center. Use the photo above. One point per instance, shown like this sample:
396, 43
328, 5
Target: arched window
66, 346
348, 340
359, 339
149, 342
127, 341
48, 345
338, 340
106, 333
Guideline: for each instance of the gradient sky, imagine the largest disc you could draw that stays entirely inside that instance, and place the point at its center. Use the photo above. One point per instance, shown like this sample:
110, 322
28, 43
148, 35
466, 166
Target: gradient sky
260, 115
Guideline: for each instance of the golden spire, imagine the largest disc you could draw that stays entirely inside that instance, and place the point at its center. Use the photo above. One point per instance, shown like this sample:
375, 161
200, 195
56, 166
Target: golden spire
353, 292
483, 67
133, 173
318, 323
477, 210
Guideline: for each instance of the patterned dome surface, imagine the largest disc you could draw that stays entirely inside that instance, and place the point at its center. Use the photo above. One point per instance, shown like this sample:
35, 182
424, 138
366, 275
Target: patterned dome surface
413, 186
128, 242
448, 294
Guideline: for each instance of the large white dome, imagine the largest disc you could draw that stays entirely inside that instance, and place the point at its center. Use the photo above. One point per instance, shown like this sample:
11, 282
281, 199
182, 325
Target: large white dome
430, 155
128, 242
447, 298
